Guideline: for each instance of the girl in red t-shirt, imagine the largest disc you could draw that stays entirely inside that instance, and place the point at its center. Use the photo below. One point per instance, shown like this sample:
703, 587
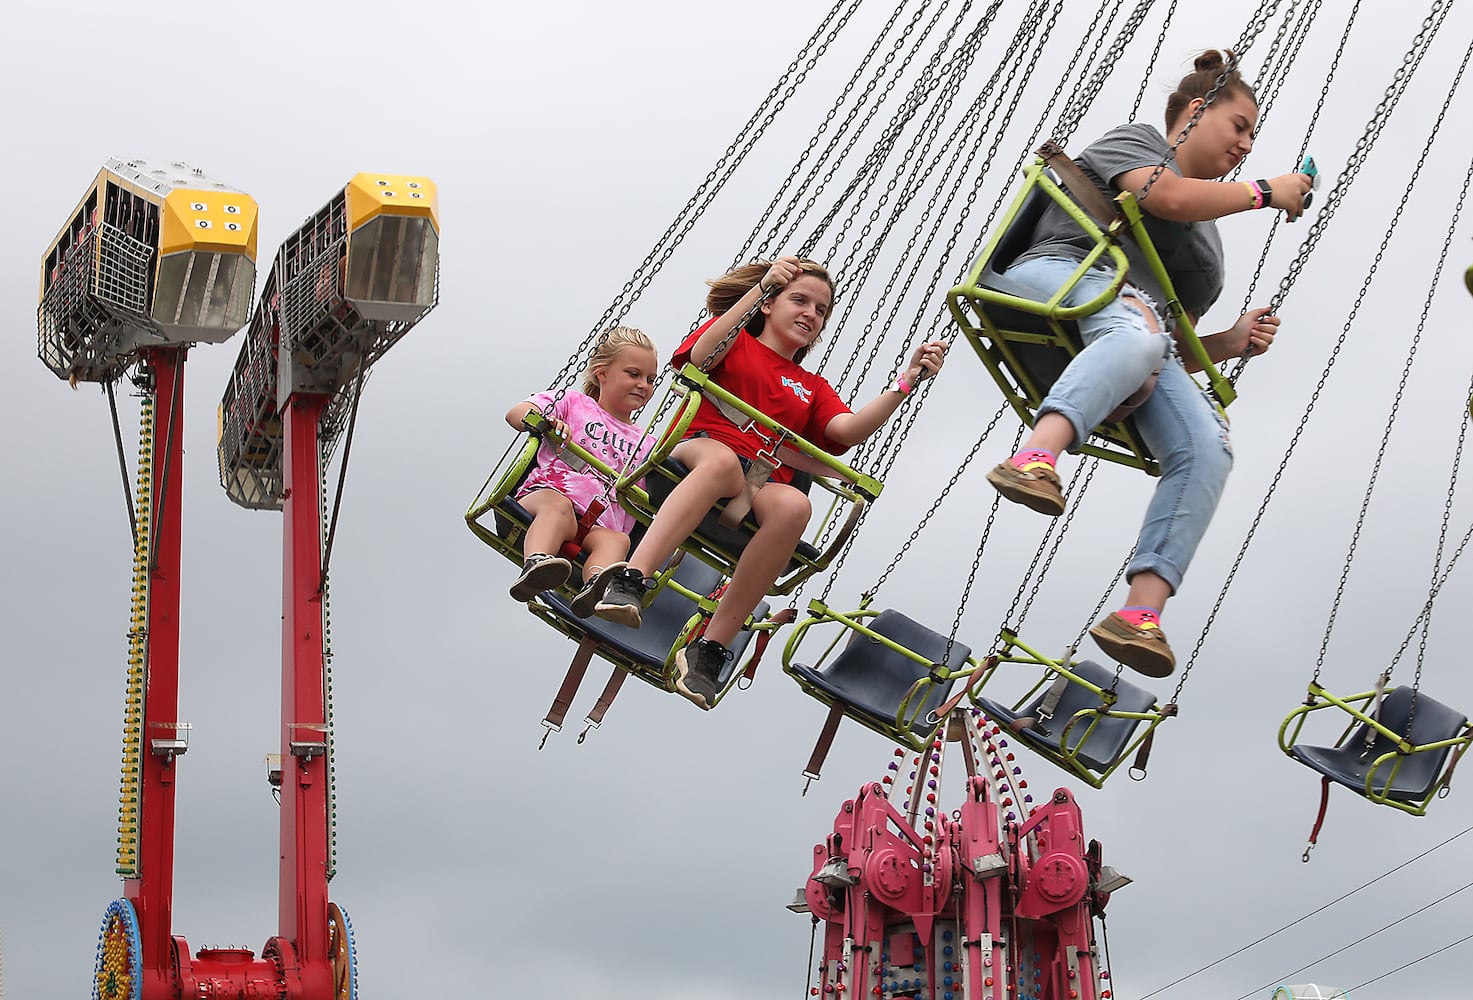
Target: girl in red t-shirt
759, 364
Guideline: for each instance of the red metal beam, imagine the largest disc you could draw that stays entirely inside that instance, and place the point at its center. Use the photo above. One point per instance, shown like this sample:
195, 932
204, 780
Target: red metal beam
303, 873
152, 891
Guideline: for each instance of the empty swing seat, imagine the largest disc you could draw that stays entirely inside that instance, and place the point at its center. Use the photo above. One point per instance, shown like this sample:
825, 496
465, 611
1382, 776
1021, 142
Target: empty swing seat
645, 651
1097, 747
1416, 778
871, 680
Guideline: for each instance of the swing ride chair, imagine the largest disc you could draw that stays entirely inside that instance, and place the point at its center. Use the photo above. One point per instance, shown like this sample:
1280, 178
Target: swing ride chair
892, 675
1026, 343
682, 597
1078, 715
1392, 753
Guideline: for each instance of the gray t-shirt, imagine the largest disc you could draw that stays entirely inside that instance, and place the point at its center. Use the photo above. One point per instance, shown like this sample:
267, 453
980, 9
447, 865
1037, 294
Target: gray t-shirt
1191, 251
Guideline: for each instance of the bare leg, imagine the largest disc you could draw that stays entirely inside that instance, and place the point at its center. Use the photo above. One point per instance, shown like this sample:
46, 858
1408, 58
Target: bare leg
782, 513
553, 522
605, 546
1148, 590
714, 475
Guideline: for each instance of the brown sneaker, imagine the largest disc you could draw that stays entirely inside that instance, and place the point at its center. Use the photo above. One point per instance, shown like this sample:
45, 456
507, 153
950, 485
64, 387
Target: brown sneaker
1037, 489
1141, 649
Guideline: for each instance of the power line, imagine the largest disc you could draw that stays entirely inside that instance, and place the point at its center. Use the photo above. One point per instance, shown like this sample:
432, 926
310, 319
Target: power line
1312, 913
1286, 976
1343, 993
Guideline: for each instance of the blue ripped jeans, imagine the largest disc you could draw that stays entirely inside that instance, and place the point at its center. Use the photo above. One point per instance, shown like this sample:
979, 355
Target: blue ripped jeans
1179, 422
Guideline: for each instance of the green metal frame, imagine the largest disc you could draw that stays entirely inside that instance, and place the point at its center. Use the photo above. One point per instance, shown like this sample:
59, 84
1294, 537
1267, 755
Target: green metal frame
1089, 718
993, 343
901, 731
1355, 706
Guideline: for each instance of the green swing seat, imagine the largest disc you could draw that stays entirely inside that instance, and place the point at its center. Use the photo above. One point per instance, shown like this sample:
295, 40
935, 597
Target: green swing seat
1393, 755
891, 675
1026, 341
1078, 715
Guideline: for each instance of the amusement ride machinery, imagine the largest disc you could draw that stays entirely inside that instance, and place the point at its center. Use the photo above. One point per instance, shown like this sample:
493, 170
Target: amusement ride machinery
155, 258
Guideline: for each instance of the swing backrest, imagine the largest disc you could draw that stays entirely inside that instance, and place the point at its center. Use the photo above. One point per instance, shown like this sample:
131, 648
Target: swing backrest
1024, 343
872, 680
1097, 748
1350, 761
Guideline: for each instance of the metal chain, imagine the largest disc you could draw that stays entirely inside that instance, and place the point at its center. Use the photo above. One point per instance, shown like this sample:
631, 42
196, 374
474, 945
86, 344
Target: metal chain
1250, 33
1054, 537
855, 114
941, 498
1400, 388
882, 147
1140, 94
748, 135
1314, 119
1363, 146
1298, 432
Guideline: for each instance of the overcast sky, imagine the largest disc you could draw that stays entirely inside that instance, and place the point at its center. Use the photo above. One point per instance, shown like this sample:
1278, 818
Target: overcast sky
654, 860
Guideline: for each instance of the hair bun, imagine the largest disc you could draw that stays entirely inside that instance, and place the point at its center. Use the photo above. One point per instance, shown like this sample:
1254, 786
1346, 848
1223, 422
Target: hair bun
1211, 60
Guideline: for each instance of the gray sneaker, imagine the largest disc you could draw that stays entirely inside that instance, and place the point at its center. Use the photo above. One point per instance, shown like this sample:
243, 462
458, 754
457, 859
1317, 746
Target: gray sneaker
624, 597
698, 674
540, 572
593, 590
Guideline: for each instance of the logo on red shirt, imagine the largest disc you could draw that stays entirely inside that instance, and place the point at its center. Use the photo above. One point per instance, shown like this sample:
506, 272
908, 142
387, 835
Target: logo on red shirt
799, 389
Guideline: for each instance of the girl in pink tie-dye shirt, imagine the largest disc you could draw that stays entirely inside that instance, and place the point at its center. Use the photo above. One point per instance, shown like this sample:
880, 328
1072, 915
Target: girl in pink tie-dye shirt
618, 380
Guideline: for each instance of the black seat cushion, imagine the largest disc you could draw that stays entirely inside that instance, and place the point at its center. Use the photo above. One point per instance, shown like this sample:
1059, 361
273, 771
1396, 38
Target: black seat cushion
1110, 736
1432, 722
663, 621
871, 680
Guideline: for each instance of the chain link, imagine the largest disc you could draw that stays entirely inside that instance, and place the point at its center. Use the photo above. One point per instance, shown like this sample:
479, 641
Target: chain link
1401, 76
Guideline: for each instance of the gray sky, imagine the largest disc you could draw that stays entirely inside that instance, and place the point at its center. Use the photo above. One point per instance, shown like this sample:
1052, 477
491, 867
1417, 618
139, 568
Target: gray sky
654, 860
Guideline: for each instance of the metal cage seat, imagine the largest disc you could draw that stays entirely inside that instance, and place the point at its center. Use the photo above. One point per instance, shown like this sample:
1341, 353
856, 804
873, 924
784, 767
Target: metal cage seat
715, 543
509, 520
1078, 715
1393, 756
891, 675
1026, 341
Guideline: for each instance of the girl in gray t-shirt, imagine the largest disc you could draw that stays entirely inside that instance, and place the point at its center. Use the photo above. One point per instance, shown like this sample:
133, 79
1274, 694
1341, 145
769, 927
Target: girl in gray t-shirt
1128, 340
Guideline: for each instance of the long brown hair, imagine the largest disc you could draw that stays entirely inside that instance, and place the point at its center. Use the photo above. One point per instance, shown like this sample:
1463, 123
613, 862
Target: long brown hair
728, 289
1206, 70
614, 340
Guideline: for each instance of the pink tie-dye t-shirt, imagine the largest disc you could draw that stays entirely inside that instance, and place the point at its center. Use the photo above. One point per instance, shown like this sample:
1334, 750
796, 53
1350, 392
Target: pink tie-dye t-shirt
618, 445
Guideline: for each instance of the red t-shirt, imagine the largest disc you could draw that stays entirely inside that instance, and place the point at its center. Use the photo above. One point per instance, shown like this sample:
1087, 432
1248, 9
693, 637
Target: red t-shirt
775, 386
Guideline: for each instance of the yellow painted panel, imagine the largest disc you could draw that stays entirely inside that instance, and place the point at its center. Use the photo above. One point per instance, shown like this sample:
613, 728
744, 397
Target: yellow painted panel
370, 195
222, 221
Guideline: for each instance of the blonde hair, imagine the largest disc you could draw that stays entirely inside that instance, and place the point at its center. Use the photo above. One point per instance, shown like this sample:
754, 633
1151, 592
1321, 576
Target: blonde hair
731, 286
1206, 69
610, 343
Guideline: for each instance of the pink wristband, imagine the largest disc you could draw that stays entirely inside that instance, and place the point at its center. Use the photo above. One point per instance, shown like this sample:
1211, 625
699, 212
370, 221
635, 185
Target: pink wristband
901, 385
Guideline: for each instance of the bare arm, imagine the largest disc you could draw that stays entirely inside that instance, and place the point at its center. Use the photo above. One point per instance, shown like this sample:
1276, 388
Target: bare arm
712, 345
1189, 199
1253, 333
849, 429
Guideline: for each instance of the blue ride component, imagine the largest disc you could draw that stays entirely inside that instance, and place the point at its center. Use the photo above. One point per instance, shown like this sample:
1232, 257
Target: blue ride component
123, 910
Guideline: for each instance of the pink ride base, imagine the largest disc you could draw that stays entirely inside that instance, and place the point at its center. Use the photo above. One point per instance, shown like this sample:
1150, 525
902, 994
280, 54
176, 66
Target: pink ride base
970, 903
